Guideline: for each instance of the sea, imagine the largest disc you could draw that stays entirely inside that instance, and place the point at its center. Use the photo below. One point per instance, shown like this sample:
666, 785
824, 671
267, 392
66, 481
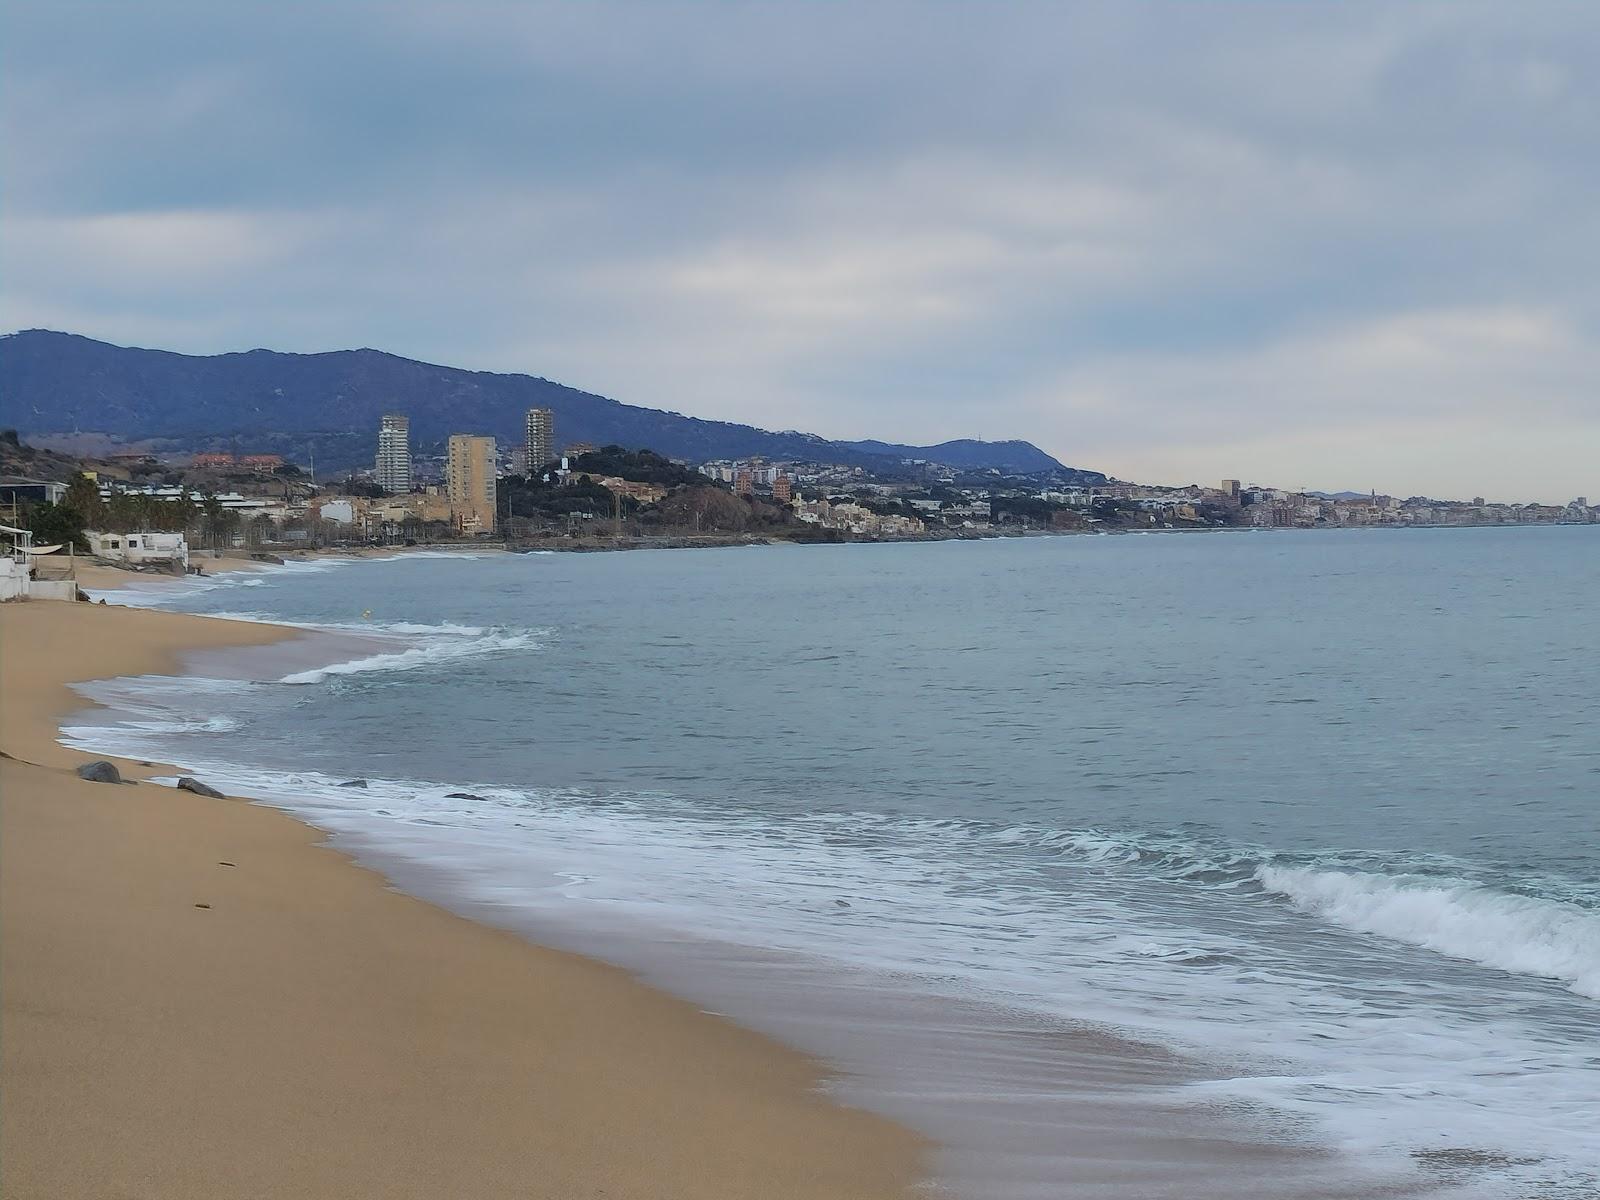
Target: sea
1191, 864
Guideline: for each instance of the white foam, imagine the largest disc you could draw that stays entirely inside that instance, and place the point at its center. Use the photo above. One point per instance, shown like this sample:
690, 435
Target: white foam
414, 555
1378, 1064
1522, 934
400, 629
431, 653
157, 592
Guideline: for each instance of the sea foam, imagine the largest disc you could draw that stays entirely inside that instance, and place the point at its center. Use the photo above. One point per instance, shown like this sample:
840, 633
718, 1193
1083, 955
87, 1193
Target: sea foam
436, 650
1522, 934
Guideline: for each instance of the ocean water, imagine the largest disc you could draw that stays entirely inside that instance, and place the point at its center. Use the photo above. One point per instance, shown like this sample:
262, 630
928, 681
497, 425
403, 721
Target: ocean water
1265, 840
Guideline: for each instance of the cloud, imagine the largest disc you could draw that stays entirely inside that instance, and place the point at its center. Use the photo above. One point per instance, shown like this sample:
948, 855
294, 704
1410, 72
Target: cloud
144, 250
1405, 402
1114, 228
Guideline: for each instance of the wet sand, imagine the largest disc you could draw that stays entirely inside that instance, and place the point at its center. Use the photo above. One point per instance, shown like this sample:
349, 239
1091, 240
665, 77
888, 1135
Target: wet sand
200, 1000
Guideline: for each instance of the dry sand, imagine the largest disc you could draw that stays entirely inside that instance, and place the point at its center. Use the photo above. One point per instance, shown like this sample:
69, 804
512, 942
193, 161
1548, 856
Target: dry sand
313, 1033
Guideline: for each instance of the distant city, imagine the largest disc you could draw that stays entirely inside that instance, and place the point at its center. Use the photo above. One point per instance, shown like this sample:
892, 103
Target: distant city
589, 497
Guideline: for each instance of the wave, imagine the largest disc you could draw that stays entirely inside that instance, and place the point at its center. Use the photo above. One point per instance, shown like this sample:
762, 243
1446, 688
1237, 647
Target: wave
370, 628
443, 649
914, 898
1521, 934
156, 591
1546, 927
216, 724
411, 555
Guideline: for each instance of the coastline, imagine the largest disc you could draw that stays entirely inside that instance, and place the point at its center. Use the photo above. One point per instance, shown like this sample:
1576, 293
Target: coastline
1097, 1111
314, 1030
1012, 1103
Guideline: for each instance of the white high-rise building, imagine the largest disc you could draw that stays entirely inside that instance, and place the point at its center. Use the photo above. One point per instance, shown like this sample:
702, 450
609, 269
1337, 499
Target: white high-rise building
393, 472
541, 438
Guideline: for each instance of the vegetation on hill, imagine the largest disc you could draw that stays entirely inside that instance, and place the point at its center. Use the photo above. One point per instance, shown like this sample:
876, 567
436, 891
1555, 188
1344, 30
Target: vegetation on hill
330, 404
636, 466
22, 461
707, 508
556, 502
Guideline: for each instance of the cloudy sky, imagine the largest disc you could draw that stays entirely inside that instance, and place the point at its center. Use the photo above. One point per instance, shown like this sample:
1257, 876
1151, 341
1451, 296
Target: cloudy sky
1324, 245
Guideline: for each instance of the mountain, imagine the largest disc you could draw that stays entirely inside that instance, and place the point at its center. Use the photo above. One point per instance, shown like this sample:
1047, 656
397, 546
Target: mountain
267, 401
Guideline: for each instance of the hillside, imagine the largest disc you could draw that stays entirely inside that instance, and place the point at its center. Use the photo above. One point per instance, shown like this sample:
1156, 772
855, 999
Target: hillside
264, 400
1015, 457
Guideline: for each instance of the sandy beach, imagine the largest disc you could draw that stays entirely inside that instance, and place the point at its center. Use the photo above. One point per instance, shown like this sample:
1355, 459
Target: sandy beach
200, 1000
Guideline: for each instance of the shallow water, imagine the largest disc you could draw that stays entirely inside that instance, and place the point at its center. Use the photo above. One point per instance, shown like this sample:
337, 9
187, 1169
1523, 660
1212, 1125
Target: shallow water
1316, 812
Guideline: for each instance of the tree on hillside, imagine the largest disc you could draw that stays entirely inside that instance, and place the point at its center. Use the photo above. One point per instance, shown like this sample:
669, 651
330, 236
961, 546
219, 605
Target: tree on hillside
529, 496
637, 466
354, 485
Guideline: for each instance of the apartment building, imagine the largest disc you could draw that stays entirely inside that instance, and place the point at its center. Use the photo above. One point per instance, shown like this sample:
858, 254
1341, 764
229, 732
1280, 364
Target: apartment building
470, 482
393, 469
541, 443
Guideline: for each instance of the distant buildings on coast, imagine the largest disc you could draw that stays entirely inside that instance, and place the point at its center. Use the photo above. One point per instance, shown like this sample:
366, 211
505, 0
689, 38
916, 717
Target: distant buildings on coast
258, 499
260, 464
470, 469
471, 465
832, 496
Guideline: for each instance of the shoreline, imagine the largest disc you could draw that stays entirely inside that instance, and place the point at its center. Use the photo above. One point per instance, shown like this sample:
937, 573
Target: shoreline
1099, 1113
258, 1046
903, 1053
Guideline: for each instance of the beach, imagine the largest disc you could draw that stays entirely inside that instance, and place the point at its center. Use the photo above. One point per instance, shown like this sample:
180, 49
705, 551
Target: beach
201, 999
1036, 909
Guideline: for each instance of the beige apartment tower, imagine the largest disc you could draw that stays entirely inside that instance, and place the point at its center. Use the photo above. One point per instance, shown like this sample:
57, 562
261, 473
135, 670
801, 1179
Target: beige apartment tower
469, 478
541, 439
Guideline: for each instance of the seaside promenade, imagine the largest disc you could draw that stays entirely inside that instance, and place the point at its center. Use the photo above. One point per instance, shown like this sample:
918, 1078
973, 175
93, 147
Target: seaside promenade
202, 1000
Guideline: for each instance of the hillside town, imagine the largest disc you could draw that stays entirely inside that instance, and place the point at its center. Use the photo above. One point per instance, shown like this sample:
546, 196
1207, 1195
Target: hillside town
149, 512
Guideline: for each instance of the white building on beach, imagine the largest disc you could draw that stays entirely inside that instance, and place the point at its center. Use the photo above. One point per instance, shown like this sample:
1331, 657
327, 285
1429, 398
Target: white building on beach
140, 549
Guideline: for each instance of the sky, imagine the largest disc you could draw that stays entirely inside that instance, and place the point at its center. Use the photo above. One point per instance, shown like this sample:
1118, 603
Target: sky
1321, 245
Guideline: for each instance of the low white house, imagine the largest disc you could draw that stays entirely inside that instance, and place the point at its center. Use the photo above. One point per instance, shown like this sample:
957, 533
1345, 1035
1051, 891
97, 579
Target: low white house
139, 549
19, 579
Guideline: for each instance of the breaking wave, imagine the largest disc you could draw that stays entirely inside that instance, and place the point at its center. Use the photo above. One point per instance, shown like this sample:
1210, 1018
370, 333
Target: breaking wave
1529, 925
439, 649
1521, 934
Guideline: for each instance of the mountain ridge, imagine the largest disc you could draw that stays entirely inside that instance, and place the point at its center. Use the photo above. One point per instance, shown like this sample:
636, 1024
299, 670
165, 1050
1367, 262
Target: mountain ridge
54, 383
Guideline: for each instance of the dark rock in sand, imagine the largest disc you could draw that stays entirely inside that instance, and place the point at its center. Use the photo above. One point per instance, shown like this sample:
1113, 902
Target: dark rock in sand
461, 796
100, 772
200, 789
361, 783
